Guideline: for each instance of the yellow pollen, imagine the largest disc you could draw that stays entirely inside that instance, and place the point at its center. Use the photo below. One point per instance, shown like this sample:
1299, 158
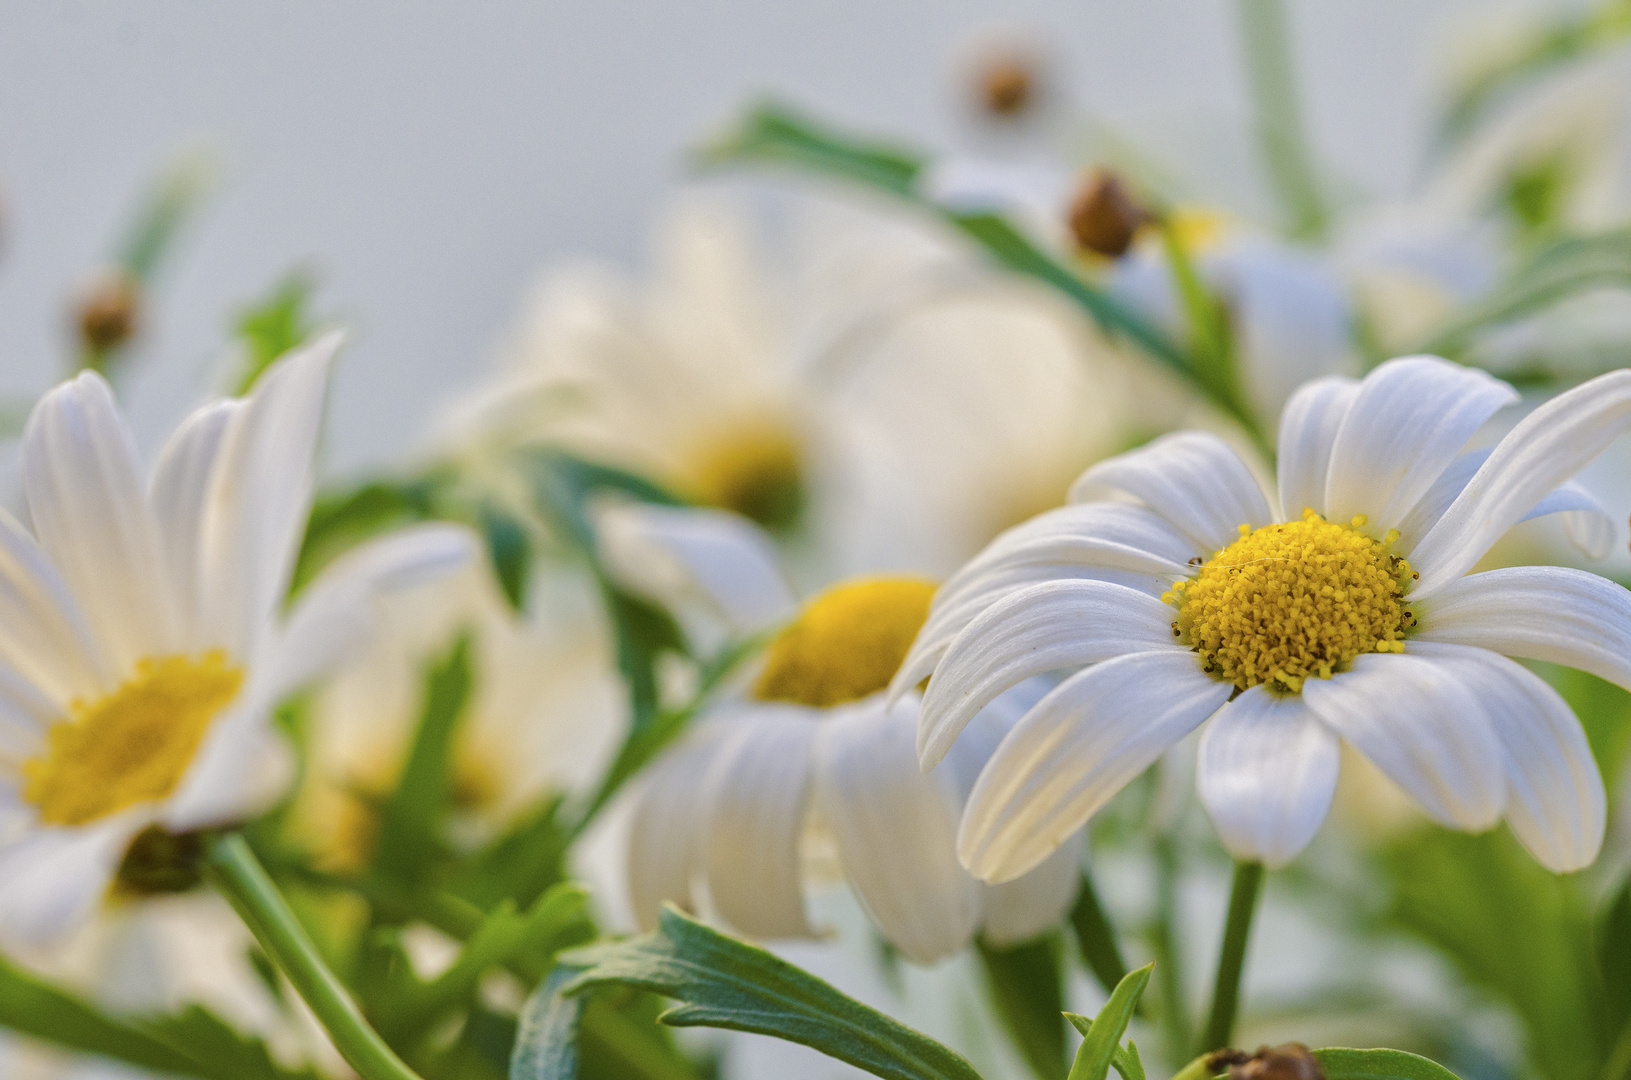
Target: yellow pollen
847, 643
133, 745
753, 469
1293, 601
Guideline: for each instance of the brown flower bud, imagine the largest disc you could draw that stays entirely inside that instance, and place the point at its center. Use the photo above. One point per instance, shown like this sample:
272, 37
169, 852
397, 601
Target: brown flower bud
1288, 1061
107, 314
1008, 86
1104, 218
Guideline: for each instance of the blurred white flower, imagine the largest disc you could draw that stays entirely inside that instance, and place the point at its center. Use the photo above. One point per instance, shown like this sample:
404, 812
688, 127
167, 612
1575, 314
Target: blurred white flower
1295, 629
811, 761
145, 643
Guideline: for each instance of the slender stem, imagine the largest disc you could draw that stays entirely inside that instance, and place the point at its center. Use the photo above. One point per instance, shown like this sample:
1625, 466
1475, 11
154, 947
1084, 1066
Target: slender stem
1096, 938
1248, 885
1169, 965
1279, 115
240, 877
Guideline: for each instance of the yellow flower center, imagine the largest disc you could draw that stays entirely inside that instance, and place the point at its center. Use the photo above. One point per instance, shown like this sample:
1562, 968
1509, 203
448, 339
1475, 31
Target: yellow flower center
847, 643
133, 745
1293, 601
754, 470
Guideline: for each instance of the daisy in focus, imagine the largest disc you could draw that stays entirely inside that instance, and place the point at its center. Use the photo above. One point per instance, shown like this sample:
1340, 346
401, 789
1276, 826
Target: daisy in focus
808, 768
1186, 598
145, 641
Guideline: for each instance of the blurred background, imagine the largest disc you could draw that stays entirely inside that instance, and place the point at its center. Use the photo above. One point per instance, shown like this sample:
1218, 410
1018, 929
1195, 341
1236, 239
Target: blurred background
424, 161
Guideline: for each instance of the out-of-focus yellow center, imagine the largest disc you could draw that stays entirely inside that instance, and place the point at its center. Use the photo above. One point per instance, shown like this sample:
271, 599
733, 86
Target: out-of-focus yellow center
753, 469
847, 643
1292, 601
133, 745
1197, 228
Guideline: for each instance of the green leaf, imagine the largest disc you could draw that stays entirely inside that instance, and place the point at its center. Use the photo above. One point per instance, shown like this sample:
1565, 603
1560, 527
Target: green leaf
1559, 270
724, 983
546, 1045
1340, 1063
520, 863
342, 519
204, 1036
273, 326
509, 549
410, 825
1101, 1036
1095, 937
1028, 992
1612, 939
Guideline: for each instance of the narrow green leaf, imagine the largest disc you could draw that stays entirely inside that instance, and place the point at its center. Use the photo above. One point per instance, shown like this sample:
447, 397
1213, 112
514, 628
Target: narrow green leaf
410, 824
1340, 1063
724, 983
33, 1007
342, 519
509, 549
1028, 993
1613, 946
775, 133
1101, 1037
272, 326
1095, 937
202, 1035
520, 863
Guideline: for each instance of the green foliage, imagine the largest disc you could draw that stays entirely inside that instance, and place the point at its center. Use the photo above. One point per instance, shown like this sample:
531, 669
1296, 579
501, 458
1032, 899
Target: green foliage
1341, 1063
1027, 989
1095, 937
509, 550
725, 983
342, 519
1101, 1036
207, 1038
546, 1043
273, 326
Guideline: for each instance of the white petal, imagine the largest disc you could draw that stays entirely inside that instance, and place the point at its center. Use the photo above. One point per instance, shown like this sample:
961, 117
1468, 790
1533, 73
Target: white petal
243, 766
43, 632
1266, 773
1588, 525
1555, 800
1036, 901
1191, 478
665, 845
179, 494
1071, 753
89, 509
259, 496
336, 612
1410, 419
1546, 448
26, 712
895, 829
758, 793
1422, 725
676, 555
1047, 627
1552, 613
1308, 429
51, 879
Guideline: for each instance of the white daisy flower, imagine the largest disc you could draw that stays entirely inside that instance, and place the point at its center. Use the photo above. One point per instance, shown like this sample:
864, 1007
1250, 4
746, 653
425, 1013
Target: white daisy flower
810, 764
1184, 597
145, 643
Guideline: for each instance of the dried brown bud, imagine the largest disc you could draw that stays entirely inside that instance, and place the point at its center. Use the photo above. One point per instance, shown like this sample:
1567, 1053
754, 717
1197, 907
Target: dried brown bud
108, 312
1288, 1061
1008, 86
1104, 218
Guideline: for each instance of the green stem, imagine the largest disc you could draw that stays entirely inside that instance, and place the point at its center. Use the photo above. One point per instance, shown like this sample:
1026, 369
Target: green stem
1169, 966
1248, 885
1096, 938
240, 877
1279, 116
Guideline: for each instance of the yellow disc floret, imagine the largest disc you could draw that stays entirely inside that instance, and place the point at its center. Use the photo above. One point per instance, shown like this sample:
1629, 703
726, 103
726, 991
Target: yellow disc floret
752, 468
133, 745
847, 643
1294, 601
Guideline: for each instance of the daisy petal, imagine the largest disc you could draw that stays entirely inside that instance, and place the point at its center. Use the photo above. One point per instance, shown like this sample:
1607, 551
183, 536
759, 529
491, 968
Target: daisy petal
1589, 526
1034, 902
1407, 423
757, 795
1553, 613
179, 494
1074, 750
44, 634
1424, 727
89, 508
52, 879
1308, 428
1047, 627
1555, 799
241, 769
1191, 478
1267, 772
895, 830
1546, 448
664, 845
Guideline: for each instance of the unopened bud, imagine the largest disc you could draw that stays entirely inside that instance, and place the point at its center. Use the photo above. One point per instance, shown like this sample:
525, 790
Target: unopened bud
1288, 1061
1008, 85
1104, 218
108, 313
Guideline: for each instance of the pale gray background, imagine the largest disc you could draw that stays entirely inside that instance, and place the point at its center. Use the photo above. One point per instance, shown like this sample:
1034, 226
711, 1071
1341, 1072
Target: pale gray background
427, 159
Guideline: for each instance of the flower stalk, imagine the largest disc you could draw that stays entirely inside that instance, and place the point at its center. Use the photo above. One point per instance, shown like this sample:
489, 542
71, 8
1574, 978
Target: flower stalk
246, 885
1243, 896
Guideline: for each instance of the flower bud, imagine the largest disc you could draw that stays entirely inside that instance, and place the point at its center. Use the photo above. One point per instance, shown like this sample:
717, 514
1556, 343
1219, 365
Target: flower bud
1104, 218
108, 312
1007, 86
1288, 1061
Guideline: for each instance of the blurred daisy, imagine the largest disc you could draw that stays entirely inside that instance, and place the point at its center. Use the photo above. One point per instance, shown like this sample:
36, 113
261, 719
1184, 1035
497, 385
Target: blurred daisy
145, 642
810, 765
1348, 616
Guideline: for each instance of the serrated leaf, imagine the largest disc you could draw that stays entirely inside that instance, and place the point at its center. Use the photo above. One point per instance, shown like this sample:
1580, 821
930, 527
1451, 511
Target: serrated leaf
1101, 1036
546, 1043
725, 983
1028, 993
1341, 1063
